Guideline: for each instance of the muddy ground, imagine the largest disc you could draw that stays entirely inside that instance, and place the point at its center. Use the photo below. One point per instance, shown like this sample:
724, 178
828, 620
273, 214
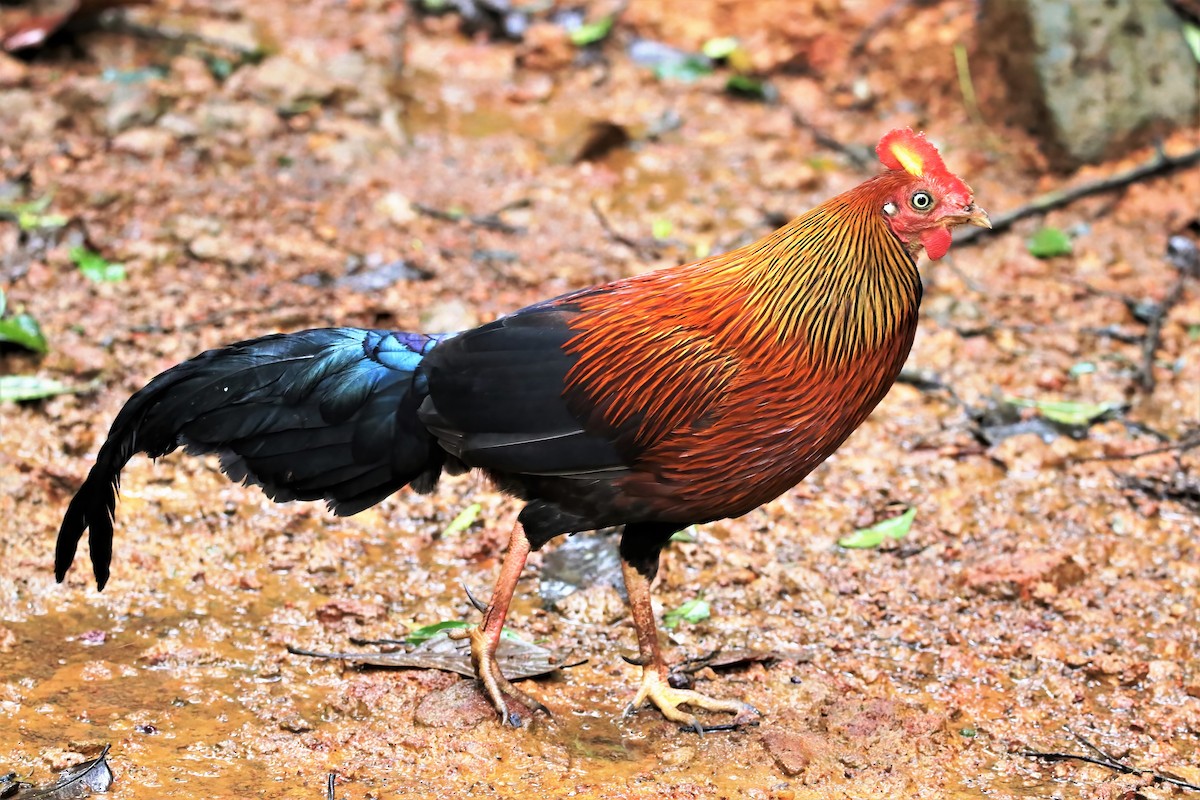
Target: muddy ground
379, 170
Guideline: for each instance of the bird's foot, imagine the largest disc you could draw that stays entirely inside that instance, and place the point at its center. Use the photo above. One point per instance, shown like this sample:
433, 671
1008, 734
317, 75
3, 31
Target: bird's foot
655, 689
499, 689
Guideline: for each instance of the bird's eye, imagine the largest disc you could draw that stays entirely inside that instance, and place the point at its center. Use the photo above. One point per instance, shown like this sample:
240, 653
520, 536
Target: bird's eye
921, 201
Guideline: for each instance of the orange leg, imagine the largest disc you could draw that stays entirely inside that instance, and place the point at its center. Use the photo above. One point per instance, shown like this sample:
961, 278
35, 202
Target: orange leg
485, 639
654, 686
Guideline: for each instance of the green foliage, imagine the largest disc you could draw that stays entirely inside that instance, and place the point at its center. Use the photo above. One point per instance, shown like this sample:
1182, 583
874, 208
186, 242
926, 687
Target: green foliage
21, 388
686, 70
687, 535
749, 87
1191, 35
1066, 412
463, 521
692, 611
877, 534
32, 215
96, 267
1050, 242
661, 229
592, 32
21, 330
427, 632
721, 47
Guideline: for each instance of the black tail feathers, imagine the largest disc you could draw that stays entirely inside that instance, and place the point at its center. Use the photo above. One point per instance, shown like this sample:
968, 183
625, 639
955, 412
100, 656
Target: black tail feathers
321, 414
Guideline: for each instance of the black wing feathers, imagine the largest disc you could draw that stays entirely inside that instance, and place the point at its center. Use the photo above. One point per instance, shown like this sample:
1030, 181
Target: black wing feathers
321, 414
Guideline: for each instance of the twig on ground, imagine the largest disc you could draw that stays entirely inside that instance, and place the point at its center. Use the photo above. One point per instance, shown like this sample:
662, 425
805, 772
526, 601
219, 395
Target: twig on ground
644, 251
860, 157
1161, 164
1185, 257
1103, 759
1153, 337
1181, 446
491, 221
164, 31
880, 22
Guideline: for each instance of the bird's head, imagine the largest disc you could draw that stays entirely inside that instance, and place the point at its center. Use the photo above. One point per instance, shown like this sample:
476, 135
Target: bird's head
922, 201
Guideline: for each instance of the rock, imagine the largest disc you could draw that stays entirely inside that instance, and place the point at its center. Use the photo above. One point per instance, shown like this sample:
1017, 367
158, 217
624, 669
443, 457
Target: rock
1024, 574
376, 275
12, 71
397, 208
1091, 77
447, 316
129, 105
248, 120
224, 249
547, 48
145, 142
793, 750
286, 83
461, 705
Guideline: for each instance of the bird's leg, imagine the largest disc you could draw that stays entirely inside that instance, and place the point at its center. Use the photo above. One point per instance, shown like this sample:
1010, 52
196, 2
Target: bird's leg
485, 638
639, 572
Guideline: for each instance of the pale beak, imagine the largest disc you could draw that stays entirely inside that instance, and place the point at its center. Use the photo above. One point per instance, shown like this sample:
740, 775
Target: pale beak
979, 217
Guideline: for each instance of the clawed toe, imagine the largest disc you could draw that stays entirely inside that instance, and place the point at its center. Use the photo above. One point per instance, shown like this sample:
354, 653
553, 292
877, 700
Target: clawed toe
667, 700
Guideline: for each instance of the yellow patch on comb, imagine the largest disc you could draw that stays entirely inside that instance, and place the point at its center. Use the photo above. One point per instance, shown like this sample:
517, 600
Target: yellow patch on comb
909, 159
911, 152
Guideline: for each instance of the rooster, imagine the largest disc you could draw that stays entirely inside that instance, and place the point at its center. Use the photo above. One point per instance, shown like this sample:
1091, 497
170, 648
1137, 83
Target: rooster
675, 397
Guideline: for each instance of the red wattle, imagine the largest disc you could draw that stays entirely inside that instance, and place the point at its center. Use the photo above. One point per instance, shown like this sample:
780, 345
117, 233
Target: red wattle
936, 242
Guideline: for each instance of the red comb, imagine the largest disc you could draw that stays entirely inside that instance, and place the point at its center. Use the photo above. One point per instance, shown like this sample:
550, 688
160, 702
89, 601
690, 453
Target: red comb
905, 149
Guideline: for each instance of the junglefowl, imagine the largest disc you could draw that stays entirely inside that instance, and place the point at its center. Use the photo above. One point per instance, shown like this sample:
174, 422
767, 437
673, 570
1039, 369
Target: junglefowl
675, 397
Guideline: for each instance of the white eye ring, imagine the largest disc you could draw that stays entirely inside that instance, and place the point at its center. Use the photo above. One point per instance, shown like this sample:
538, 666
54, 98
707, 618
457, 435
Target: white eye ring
889, 208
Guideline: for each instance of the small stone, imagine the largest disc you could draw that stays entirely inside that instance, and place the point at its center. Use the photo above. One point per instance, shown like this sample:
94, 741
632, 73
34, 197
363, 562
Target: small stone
130, 104
287, 83
145, 142
1022, 574
295, 723
678, 757
448, 316
224, 249
397, 208
462, 705
792, 750
12, 71
546, 48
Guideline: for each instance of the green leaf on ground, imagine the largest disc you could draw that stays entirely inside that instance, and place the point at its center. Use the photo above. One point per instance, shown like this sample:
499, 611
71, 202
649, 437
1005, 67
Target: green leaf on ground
23, 331
721, 47
32, 215
686, 70
592, 32
748, 87
1191, 35
96, 267
20, 388
661, 229
427, 632
463, 521
687, 535
1066, 412
1049, 242
875, 535
692, 611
